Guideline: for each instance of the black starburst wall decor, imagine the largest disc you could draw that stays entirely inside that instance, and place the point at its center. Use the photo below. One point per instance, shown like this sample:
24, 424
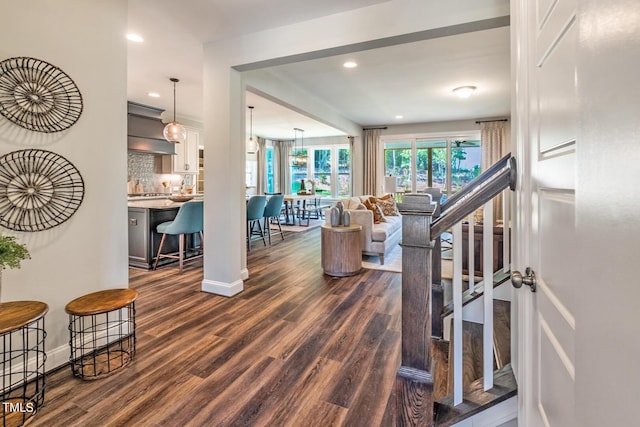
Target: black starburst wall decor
38, 96
39, 190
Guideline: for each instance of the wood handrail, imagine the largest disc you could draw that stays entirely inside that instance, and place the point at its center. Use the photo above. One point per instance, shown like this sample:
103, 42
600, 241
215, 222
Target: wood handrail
476, 182
489, 184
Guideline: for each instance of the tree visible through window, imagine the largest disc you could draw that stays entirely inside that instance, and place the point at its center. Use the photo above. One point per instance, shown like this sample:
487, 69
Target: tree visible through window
448, 164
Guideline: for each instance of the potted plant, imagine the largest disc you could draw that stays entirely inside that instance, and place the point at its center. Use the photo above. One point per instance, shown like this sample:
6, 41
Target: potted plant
11, 253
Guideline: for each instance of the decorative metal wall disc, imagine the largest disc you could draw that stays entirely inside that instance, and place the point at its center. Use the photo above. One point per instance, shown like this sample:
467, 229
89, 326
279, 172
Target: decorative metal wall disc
39, 190
38, 96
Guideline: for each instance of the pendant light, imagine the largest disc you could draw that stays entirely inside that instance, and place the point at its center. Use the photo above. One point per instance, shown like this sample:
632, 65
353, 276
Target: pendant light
299, 159
174, 131
252, 144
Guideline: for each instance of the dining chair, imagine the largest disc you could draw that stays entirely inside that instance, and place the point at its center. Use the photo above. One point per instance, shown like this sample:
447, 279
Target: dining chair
255, 214
189, 220
272, 212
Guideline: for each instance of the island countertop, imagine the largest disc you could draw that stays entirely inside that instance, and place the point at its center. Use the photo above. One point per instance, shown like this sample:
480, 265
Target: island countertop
154, 204
163, 203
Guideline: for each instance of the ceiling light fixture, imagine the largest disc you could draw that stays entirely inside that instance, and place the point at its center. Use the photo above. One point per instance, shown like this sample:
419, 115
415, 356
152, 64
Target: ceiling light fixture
154, 94
252, 144
298, 156
134, 38
350, 64
174, 131
399, 117
464, 92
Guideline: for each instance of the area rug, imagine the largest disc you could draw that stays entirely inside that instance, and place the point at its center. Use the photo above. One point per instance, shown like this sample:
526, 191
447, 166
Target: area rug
393, 262
313, 223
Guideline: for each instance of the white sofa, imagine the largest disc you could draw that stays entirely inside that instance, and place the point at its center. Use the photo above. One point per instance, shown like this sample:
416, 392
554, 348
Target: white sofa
377, 239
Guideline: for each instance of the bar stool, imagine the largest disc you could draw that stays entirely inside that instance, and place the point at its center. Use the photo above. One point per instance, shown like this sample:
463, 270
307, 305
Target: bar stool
23, 357
189, 220
272, 212
102, 332
255, 213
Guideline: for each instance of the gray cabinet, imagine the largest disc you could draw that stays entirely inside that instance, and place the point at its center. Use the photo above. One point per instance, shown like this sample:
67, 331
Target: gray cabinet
144, 240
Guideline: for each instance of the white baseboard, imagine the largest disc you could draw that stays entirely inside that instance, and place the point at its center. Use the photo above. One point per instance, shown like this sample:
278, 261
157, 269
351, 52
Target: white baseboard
57, 357
221, 288
244, 273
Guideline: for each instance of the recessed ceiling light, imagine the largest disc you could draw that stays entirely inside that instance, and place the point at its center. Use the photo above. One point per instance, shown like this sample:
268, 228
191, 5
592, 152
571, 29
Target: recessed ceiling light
464, 91
154, 95
350, 64
399, 117
134, 38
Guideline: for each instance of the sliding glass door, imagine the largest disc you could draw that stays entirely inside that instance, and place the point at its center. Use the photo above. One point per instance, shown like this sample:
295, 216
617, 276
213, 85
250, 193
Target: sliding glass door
417, 164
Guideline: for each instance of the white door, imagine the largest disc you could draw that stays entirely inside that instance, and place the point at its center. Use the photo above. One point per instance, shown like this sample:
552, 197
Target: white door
577, 216
545, 123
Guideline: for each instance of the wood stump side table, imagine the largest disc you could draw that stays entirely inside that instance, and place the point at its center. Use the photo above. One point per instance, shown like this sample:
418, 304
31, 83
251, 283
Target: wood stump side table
102, 332
23, 357
341, 250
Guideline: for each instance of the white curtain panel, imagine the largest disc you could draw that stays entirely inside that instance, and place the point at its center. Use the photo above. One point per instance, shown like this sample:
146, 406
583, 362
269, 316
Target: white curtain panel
493, 140
371, 155
351, 151
281, 155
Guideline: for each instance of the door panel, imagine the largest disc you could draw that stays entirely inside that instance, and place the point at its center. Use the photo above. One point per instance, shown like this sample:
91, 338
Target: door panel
551, 118
556, 399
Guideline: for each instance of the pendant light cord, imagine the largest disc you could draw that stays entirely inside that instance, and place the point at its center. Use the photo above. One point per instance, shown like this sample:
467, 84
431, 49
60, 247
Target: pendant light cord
174, 80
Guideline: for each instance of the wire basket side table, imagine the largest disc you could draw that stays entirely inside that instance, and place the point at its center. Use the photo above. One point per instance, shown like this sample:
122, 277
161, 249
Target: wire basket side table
22, 336
102, 332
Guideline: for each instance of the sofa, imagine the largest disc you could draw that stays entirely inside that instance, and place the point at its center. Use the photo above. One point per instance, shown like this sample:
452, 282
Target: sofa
377, 238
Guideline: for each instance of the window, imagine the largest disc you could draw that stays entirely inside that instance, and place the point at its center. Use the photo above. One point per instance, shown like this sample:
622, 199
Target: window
322, 170
397, 159
270, 171
330, 167
344, 172
299, 168
448, 163
465, 163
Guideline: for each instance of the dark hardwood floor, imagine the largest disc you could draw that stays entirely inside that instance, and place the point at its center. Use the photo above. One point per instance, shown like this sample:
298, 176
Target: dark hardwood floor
295, 348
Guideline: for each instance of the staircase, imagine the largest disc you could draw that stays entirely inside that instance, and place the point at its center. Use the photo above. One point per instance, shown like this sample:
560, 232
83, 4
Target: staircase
464, 367
475, 398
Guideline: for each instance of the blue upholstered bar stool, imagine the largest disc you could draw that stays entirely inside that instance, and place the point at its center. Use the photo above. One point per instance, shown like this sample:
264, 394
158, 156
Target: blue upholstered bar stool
272, 212
255, 213
189, 220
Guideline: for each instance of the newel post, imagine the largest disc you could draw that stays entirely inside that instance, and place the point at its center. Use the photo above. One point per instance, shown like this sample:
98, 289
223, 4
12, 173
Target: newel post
414, 381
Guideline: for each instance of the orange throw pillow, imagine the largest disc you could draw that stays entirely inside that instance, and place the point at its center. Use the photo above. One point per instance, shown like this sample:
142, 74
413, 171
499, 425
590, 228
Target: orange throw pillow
378, 215
387, 205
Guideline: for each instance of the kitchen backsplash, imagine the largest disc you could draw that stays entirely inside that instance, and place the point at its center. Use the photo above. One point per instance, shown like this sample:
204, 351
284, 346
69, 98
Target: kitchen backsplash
142, 167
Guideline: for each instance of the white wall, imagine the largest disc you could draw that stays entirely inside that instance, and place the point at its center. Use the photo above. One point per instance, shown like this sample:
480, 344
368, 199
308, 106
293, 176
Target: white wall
85, 38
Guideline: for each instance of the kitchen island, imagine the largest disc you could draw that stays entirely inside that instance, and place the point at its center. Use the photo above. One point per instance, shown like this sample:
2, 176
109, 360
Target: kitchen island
144, 240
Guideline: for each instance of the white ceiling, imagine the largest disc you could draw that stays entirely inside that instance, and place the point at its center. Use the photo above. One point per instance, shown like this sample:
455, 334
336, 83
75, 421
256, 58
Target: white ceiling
414, 80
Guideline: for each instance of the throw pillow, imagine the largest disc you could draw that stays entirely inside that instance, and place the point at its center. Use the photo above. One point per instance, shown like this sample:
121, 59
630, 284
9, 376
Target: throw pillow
378, 216
387, 205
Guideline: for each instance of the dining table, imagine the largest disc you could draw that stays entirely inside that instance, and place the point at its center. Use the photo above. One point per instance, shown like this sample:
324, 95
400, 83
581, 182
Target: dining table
291, 200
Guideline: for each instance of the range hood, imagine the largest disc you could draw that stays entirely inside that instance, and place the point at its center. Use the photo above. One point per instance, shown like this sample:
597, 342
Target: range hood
144, 130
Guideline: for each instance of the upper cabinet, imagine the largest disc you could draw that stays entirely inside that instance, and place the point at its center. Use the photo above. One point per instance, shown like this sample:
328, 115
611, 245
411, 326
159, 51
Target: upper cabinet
186, 157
